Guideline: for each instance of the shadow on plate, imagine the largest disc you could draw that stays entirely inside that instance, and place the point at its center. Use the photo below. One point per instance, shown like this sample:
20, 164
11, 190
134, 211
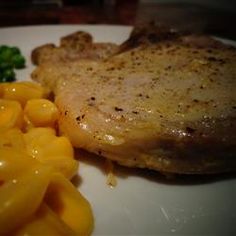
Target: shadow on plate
122, 172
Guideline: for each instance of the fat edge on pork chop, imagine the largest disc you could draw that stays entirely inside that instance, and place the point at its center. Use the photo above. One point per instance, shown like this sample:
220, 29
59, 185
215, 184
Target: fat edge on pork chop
161, 100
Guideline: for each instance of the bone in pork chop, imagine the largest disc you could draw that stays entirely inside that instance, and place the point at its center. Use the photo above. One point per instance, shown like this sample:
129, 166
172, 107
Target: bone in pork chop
161, 101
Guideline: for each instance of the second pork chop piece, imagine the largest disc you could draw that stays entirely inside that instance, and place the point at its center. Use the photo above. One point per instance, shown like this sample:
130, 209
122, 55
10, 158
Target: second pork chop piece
167, 106
73, 47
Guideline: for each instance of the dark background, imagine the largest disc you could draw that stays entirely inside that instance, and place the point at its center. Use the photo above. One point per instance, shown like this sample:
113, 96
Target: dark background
215, 17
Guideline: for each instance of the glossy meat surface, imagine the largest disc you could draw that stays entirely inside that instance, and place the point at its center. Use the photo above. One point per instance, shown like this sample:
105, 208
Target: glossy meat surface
168, 106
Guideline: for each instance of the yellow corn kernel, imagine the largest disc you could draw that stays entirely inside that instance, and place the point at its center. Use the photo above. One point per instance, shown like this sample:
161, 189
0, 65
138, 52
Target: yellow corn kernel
23, 91
43, 145
41, 112
60, 146
67, 167
37, 132
44, 222
14, 163
36, 139
27, 124
1, 89
59, 154
12, 138
67, 202
28, 189
11, 114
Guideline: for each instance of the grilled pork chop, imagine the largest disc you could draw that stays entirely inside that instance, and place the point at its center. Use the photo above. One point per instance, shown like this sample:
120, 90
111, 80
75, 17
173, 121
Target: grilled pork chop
164, 103
73, 47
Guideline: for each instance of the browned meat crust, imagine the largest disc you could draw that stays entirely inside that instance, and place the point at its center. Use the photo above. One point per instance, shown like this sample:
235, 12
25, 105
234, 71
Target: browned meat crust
73, 47
162, 100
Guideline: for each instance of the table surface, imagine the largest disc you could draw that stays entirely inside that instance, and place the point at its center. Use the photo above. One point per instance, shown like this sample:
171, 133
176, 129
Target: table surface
182, 16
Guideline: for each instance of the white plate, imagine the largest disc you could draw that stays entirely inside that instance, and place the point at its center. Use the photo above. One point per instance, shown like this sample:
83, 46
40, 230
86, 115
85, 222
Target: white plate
142, 203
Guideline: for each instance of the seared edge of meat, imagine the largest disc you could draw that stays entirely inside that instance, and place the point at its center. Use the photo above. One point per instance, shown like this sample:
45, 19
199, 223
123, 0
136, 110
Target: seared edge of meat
204, 144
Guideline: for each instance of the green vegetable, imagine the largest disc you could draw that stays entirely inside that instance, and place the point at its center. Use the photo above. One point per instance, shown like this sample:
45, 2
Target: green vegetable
4, 65
15, 50
8, 75
18, 61
2, 48
10, 59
